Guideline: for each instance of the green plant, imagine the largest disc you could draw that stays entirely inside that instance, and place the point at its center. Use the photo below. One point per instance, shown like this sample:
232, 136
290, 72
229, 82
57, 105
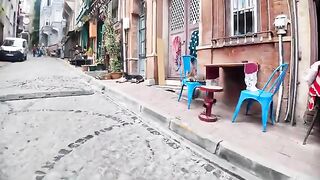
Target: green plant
100, 61
90, 51
112, 45
116, 65
2, 10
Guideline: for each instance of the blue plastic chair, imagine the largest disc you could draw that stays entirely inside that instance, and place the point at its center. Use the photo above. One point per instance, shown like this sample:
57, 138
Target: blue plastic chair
265, 98
191, 86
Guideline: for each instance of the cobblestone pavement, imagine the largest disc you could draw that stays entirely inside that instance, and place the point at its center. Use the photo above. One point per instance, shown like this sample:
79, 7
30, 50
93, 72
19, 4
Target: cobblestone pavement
4, 63
90, 137
39, 75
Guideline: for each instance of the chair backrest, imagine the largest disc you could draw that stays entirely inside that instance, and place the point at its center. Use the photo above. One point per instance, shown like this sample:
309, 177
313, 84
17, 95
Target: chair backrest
186, 61
278, 81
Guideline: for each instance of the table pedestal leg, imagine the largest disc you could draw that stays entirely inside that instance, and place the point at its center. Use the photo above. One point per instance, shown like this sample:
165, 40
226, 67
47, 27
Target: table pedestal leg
208, 102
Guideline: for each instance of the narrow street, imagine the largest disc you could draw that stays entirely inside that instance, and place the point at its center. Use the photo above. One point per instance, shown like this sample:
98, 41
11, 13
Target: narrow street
54, 125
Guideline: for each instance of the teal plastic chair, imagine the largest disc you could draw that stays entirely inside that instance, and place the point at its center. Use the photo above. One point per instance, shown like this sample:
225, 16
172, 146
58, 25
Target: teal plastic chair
191, 86
264, 97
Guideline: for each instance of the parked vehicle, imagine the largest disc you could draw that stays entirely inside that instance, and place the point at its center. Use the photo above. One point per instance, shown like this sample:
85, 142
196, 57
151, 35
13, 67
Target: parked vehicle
14, 49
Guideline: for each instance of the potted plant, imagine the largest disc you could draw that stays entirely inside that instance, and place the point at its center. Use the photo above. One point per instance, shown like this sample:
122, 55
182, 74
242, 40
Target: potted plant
100, 64
112, 47
90, 53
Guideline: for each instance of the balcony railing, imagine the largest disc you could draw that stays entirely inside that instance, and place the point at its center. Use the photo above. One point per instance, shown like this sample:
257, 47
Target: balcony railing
252, 38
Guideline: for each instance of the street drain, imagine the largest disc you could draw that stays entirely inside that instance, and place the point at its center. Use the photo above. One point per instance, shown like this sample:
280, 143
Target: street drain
39, 95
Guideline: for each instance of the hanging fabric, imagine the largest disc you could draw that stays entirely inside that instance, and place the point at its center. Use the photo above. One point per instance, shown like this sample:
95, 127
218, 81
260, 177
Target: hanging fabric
194, 42
314, 91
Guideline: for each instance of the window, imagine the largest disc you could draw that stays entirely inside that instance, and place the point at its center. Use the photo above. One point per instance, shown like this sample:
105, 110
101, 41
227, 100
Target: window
8, 42
244, 17
115, 10
142, 31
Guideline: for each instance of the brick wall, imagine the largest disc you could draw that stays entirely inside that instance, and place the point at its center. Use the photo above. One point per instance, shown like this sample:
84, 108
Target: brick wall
215, 23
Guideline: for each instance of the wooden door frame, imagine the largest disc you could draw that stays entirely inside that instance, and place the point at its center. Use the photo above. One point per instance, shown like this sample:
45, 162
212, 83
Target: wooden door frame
186, 30
314, 44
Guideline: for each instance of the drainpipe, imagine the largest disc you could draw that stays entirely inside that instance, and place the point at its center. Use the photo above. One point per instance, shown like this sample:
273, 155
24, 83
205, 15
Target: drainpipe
289, 104
124, 38
281, 23
280, 96
296, 59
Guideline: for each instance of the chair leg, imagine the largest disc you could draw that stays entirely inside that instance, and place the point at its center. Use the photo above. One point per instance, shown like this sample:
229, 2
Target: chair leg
236, 111
191, 89
271, 113
249, 105
180, 92
265, 111
316, 116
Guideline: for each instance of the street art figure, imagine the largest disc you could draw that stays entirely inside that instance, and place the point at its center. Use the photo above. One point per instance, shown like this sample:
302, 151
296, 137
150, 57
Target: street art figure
250, 71
194, 42
176, 48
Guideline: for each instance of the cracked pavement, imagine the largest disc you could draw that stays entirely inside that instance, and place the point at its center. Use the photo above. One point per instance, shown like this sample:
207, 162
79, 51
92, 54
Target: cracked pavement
84, 137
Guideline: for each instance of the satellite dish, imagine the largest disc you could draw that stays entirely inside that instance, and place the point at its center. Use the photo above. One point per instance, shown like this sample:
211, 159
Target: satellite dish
26, 20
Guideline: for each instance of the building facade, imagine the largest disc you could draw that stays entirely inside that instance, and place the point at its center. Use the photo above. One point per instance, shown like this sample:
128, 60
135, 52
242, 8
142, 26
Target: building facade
52, 23
228, 31
72, 34
9, 10
26, 16
154, 33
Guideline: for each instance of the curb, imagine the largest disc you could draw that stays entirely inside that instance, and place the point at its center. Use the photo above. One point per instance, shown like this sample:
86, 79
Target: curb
39, 95
216, 147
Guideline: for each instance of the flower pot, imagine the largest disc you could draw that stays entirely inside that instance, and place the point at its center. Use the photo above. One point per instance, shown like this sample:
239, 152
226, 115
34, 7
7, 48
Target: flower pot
107, 76
101, 67
92, 68
116, 75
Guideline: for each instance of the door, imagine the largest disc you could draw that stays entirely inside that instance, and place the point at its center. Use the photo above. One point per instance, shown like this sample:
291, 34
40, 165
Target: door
142, 40
184, 19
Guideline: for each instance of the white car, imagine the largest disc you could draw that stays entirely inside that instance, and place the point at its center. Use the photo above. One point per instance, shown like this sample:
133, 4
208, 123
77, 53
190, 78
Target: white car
14, 49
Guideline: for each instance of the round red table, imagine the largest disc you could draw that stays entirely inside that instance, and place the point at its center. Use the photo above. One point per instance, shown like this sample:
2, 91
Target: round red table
208, 102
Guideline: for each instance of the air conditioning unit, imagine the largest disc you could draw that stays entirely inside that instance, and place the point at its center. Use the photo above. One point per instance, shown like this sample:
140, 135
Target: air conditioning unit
125, 23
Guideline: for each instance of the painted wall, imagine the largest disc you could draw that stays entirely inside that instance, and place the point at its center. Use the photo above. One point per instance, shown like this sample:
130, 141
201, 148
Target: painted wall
304, 19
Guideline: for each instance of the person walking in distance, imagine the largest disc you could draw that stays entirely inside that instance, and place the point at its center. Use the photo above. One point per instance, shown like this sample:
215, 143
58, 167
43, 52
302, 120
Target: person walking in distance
34, 50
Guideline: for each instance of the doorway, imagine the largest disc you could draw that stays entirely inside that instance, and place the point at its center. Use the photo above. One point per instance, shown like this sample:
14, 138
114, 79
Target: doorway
184, 17
1, 33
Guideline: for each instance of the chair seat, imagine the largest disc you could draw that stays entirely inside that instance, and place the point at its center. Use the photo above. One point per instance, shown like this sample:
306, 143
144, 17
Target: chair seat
185, 81
252, 94
211, 88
